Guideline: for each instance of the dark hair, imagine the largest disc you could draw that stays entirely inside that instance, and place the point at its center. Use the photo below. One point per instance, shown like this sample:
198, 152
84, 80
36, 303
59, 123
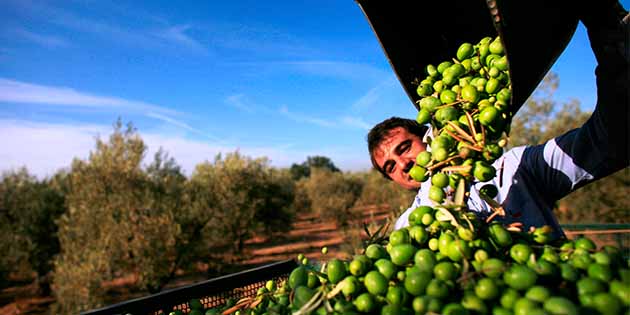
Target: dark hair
382, 130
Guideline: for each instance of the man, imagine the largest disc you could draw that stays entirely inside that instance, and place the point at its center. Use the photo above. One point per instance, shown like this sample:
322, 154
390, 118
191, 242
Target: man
531, 179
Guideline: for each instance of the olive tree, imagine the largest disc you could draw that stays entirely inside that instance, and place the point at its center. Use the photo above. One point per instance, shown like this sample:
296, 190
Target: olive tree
29, 209
120, 220
240, 196
303, 169
332, 194
380, 191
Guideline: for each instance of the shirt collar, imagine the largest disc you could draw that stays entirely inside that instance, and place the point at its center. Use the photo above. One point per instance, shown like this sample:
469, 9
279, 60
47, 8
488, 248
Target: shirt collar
428, 135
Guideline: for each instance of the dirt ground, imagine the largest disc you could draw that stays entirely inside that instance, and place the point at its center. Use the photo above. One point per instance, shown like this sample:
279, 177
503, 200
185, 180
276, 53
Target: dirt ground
307, 236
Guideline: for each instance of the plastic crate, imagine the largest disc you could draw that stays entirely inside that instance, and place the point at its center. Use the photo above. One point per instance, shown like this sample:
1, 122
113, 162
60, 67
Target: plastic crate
211, 293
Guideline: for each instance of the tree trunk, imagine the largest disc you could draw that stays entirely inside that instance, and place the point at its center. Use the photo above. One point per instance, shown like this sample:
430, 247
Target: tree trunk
42, 283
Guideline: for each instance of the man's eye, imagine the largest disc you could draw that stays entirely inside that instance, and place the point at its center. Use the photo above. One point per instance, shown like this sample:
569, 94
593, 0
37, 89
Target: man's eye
390, 168
404, 147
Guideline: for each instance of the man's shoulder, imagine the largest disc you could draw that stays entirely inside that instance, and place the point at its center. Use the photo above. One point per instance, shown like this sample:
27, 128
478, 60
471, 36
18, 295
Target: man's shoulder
510, 158
515, 153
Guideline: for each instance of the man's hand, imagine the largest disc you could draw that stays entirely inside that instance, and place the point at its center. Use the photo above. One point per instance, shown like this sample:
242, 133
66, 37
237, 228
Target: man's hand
607, 24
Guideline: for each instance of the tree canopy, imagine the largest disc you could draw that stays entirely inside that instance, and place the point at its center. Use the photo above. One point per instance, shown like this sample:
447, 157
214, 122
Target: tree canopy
304, 169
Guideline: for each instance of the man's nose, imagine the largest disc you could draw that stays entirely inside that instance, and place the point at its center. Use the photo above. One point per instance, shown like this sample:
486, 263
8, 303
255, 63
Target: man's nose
403, 165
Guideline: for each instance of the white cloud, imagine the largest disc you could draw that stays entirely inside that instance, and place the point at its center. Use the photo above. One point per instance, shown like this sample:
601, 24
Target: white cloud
374, 94
237, 101
257, 38
177, 34
356, 122
339, 69
182, 125
21, 92
368, 99
325, 68
40, 39
343, 122
95, 27
284, 110
157, 34
12, 91
45, 148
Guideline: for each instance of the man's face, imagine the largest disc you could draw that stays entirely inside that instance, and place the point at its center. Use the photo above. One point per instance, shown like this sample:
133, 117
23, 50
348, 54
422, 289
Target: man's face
396, 154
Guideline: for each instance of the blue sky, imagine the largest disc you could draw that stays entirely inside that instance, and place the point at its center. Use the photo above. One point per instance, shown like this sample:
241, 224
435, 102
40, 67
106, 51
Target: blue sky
282, 79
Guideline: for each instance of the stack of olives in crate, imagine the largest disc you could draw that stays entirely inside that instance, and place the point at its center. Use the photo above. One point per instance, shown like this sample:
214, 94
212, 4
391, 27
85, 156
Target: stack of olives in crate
457, 266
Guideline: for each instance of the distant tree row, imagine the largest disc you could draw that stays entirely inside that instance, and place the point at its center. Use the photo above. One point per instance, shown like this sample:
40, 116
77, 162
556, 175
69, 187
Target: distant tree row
109, 215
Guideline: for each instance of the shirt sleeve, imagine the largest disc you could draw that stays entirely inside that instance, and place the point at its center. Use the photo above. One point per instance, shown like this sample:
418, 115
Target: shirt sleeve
600, 146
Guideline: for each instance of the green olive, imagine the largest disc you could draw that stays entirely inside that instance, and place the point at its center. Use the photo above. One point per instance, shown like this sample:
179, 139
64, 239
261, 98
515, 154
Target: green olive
475, 64
443, 66
504, 95
465, 152
483, 104
492, 151
501, 106
432, 71
436, 194
456, 88
496, 47
449, 80
439, 180
423, 158
485, 40
463, 121
438, 86
467, 64
442, 142
439, 154
418, 173
489, 190
493, 86
501, 63
490, 60
484, 50
494, 72
464, 51
423, 117
480, 83
430, 103
465, 81
483, 171
470, 94
446, 114
456, 70
424, 90
448, 96
488, 116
